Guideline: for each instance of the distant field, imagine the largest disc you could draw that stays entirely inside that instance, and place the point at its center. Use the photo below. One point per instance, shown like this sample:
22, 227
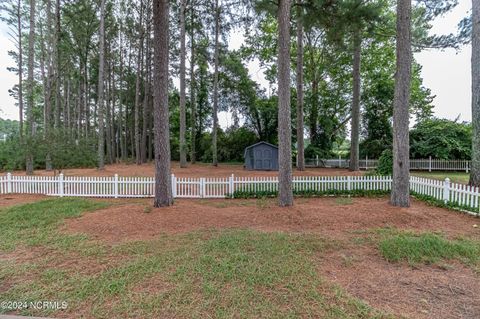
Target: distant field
455, 177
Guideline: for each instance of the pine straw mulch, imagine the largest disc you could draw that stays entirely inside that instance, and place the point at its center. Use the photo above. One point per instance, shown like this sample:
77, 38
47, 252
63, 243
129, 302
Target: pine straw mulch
449, 290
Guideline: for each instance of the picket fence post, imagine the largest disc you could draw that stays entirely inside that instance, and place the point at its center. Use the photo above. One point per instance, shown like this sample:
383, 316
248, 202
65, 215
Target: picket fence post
115, 186
446, 190
9, 183
349, 186
429, 163
174, 186
202, 187
60, 185
231, 186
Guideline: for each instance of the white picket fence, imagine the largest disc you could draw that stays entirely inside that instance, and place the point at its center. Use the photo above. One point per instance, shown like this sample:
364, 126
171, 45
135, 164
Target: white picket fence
463, 196
415, 164
182, 187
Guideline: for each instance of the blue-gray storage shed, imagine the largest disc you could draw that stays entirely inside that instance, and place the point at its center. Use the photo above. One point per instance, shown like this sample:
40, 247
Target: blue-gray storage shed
261, 156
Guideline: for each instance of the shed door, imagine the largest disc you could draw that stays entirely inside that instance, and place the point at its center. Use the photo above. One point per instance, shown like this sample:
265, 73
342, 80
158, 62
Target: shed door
267, 159
258, 159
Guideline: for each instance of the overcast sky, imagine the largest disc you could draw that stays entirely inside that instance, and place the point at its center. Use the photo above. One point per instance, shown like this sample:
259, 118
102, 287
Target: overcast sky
446, 73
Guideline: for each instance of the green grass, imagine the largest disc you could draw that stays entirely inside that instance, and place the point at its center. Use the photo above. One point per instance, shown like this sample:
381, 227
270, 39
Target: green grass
37, 223
455, 177
427, 248
215, 274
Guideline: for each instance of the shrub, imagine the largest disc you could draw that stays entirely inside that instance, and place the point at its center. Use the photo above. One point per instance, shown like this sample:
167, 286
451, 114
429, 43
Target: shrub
385, 163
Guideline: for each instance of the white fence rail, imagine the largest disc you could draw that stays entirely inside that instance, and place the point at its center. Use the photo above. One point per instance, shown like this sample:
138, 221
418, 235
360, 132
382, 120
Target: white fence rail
415, 164
459, 195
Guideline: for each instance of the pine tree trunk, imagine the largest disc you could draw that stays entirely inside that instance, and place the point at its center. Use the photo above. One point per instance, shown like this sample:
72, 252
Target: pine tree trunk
401, 164
314, 112
30, 100
138, 155
163, 186
355, 129
475, 169
183, 124
108, 115
20, 69
215, 86
300, 124
101, 62
193, 102
121, 127
46, 80
146, 95
57, 64
285, 192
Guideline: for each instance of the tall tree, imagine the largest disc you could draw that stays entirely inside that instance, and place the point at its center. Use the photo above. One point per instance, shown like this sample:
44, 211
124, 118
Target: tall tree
14, 19
183, 143
193, 100
101, 69
475, 169
215, 85
137, 135
31, 84
299, 79
355, 129
146, 94
400, 195
285, 192
163, 186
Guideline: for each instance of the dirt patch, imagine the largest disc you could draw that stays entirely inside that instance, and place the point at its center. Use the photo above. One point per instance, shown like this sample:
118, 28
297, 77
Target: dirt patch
448, 291
196, 170
7, 200
329, 216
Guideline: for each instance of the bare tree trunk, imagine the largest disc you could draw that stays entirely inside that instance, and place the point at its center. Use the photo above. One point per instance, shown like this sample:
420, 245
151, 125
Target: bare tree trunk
215, 86
20, 69
57, 64
285, 193
137, 91
146, 95
475, 169
121, 128
355, 129
401, 164
30, 100
183, 144
163, 186
193, 102
108, 115
101, 50
300, 124
47, 93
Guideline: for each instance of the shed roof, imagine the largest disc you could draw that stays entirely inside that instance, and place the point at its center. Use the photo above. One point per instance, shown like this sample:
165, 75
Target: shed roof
262, 142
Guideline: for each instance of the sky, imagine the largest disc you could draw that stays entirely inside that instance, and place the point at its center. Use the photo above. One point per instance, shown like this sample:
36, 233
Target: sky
446, 73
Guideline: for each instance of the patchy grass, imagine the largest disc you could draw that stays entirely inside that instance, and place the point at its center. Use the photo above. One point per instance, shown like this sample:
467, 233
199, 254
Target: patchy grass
427, 248
219, 274
343, 201
36, 223
455, 177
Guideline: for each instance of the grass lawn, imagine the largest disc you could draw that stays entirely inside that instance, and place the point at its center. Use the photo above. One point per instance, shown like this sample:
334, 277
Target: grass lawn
455, 177
211, 273
227, 272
